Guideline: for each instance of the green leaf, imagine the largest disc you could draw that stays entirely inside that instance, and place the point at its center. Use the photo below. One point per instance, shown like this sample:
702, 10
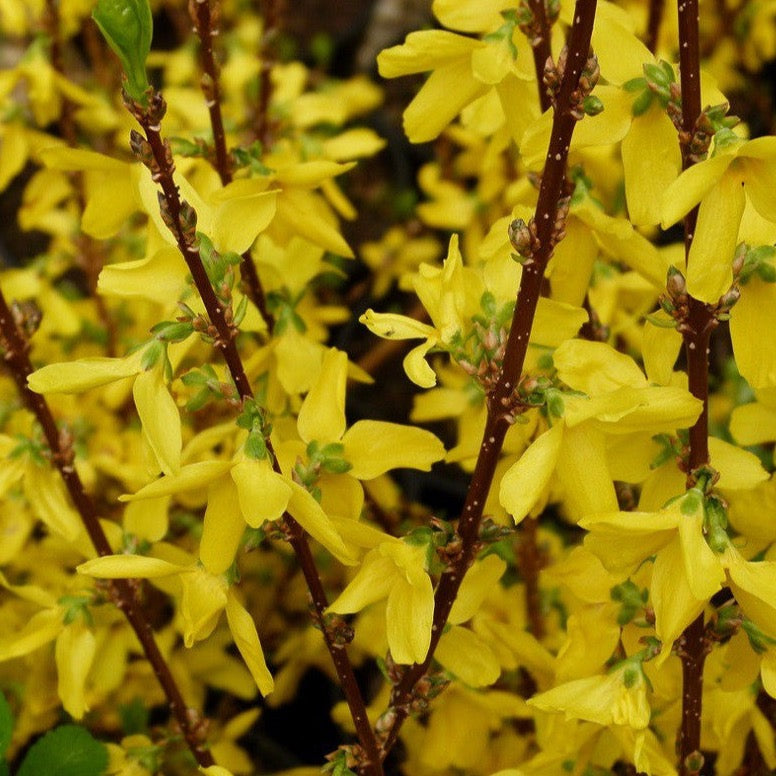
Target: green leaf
128, 27
68, 750
6, 725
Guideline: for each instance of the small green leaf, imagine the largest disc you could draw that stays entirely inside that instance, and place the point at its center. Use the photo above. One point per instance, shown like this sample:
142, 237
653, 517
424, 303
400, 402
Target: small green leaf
128, 27
68, 750
642, 102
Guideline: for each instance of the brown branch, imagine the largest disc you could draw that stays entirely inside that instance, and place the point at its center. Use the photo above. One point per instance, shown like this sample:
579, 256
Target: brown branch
17, 361
271, 16
692, 644
182, 222
540, 45
204, 25
548, 208
656, 8
530, 561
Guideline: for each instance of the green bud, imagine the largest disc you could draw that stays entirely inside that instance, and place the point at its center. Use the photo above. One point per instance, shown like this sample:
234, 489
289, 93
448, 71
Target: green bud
127, 26
173, 331
641, 103
635, 85
151, 355
255, 447
656, 75
592, 105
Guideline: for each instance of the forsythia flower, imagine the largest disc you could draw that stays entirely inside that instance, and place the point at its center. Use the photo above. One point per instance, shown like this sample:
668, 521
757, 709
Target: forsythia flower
395, 570
205, 595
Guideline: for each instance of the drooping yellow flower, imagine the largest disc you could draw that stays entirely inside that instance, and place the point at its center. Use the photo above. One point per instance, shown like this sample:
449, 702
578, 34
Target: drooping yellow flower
204, 597
736, 170
155, 406
395, 570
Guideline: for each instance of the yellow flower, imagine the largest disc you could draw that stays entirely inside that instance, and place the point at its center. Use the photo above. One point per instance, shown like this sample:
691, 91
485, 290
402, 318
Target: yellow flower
155, 406
721, 184
464, 68
616, 698
204, 596
613, 397
395, 570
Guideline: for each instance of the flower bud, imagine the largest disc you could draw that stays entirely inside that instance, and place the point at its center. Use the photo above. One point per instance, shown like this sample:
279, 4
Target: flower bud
675, 283
127, 26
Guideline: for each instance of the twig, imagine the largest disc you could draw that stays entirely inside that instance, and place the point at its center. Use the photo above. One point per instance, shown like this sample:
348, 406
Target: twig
540, 45
62, 456
500, 400
530, 561
271, 13
182, 222
205, 28
692, 643
656, 8
204, 25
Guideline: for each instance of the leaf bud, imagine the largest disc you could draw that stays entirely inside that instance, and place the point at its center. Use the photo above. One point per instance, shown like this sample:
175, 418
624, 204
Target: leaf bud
127, 26
592, 105
522, 238
675, 283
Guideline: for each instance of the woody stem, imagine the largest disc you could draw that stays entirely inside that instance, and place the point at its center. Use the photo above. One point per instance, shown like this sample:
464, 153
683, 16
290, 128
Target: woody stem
500, 399
17, 360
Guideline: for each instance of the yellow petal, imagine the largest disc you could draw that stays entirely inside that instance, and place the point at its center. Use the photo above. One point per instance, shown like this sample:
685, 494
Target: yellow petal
147, 519
263, 493
203, 600
595, 367
223, 527
524, 482
447, 91
755, 311
409, 615
43, 627
622, 541
74, 653
417, 368
674, 603
556, 322
392, 326
468, 657
46, 496
754, 585
480, 579
372, 582
194, 476
710, 262
739, 469
309, 514
238, 220
81, 375
128, 567
160, 418
424, 50
691, 187
652, 161
159, 277
301, 213
373, 447
247, 641
753, 424
584, 474
322, 414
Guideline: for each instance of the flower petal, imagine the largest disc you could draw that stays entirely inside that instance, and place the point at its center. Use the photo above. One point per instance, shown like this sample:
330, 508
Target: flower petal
524, 482
74, 653
223, 527
710, 261
373, 447
263, 493
468, 657
409, 616
247, 641
322, 414
160, 418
